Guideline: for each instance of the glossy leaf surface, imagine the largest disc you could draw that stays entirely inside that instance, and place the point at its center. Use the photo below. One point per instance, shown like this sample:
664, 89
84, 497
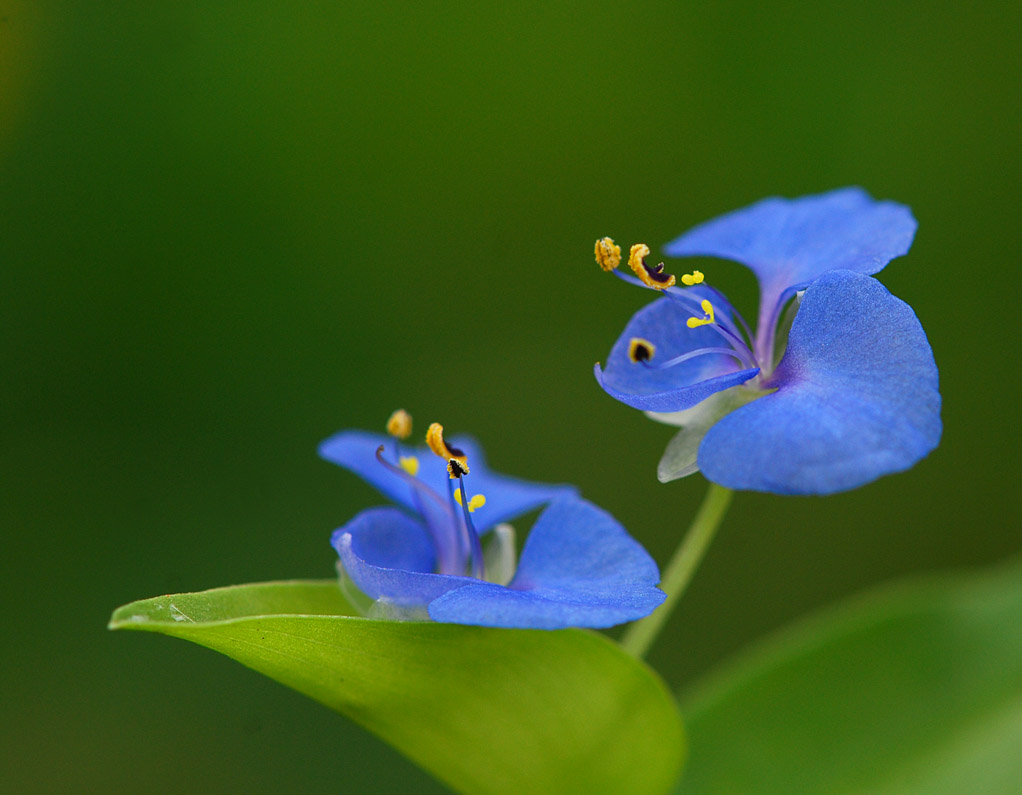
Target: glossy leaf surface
484, 710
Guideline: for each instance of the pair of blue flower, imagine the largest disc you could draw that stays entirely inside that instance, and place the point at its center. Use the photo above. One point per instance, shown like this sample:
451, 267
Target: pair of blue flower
836, 388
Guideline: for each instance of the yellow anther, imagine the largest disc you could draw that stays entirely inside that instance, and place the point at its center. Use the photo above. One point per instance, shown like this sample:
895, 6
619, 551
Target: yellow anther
694, 278
608, 254
400, 424
651, 276
695, 322
409, 464
435, 440
457, 468
640, 350
477, 501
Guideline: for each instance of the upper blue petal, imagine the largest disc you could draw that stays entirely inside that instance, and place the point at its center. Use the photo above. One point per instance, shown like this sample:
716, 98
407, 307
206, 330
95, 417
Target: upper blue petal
791, 242
857, 398
388, 555
579, 568
662, 322
506, 497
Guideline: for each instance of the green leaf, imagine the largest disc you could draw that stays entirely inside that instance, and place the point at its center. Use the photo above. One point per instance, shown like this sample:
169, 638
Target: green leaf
484, 710
915, 688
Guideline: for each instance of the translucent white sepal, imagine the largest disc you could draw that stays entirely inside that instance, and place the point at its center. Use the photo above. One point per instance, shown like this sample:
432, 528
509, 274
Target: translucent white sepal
385, 609
380, 608
500, 555
680, 458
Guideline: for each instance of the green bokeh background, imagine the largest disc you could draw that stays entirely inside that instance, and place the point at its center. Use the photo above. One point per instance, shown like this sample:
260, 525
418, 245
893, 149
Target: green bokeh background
228, 230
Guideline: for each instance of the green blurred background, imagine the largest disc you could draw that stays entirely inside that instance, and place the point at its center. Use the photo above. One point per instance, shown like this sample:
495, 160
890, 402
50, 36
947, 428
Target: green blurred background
229, 230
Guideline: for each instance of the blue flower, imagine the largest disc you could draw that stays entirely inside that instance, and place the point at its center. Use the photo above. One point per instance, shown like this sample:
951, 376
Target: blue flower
578, 568
837, 391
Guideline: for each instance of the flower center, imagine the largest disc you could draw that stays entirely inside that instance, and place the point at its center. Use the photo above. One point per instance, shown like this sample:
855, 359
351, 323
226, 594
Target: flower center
455, 540
718, 314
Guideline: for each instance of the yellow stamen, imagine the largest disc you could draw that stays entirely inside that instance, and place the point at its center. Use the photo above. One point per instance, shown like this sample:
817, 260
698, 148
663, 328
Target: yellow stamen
409, 464
651, 276
457, 468
435, 440
400, 424
694, 322
608, 254
477, 501
694, 278
640, 350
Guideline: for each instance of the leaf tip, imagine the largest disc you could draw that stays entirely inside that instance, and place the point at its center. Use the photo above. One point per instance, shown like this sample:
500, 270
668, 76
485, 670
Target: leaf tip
133, 615
124, 619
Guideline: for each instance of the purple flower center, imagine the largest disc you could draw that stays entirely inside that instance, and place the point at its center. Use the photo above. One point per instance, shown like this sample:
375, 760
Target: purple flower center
709, 307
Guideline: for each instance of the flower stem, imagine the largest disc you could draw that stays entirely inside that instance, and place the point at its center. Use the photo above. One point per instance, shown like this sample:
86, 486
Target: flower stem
640, 636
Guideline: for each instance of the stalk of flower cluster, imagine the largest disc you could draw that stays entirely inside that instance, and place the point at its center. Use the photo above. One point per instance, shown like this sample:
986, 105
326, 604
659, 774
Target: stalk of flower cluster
641, 635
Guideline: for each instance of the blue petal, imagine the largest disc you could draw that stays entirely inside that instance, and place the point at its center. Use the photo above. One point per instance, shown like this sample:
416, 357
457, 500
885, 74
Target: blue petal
506, 497
857, 398
579, 568
388, 555
662, 322
790, 242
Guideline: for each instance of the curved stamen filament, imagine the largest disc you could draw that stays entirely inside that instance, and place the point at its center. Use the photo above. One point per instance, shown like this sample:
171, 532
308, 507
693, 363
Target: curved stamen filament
680, 295
741, 350
730, 309
420, 490
691, 355
415, 483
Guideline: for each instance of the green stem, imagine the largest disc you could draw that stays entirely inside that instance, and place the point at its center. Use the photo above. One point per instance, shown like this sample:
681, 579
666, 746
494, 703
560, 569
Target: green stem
640, 635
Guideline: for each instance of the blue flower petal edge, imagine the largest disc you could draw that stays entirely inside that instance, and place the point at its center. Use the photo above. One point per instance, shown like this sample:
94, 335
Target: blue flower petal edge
790, 242
388, 556
674, 388
579, 567
857, 398
508, 497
